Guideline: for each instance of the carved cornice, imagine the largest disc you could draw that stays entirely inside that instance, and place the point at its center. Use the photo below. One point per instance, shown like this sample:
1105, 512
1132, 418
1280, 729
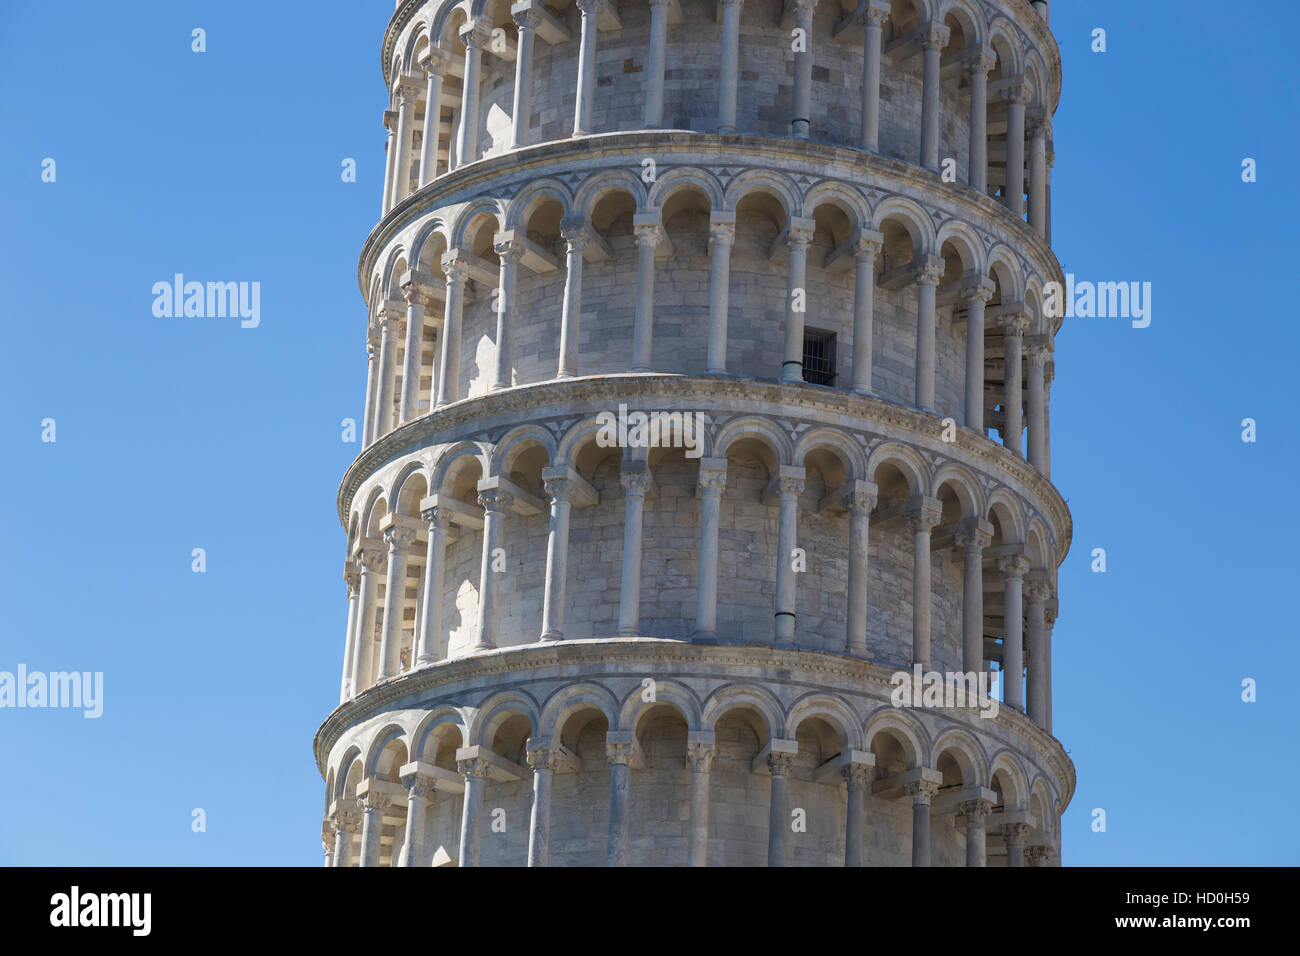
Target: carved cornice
812, 668
869, 416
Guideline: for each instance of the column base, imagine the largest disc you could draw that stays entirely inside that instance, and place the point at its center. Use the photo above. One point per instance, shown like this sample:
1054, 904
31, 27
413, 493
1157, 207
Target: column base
550, 637
705, 637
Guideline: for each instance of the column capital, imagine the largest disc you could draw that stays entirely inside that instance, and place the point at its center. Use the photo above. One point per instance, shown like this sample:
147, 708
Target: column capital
712, 476
789, 481
874, 13
1040, 129
455, 267
979, 61
372, 560
390, 120
975, 811
474, 767
508, 246
1017, 93
495, 500
351, 577
799, 231
328, 829
475, 34
934, 35
399, 537
543, 758
621, 751
573, 230
779, 763
1015, 832
862, 497
858, 776
1013, 566
973, 539
415, 286
636, 482
982, 290
439, 518
928, 270
418, 784
921, 791
1037, 355
1015, 324
1038, 854
722, 227
1038, 589
868, 243
923, 514
435, 61
699, 756
563, 483
407, 90
376, 799
647, 228
525, 17
347, 816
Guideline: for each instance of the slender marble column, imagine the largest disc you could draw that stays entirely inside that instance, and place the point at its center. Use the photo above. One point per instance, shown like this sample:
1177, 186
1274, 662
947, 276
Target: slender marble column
654, 92
375, 803
788, 484
933, 41
435, 67
419, 790
453, 310
526, 21
387, 360
722, 234
390, 162
928, 273
861, 500
1038, 593
857, 778
1038, 177
475, 36
1013, 572
1014, 835
921, 791
977, 66
408, 94
976, 813
413, 291
560, 490
1049, 622
496, 504
475, 772
636, 482
390, 646
620, 759
586, 98
699, 757
976, 299
544, 765
778, 818
1013, 331
872, 17
648, 232
1049, 373
803, 64
864, 298
372, 383
574, 234
348, 825
1014, 198
508, 249
353, 579
430, 633
972, 542
372, 562
729, 67
328, 840
712, 479
1037, 361
799, 234
921, 521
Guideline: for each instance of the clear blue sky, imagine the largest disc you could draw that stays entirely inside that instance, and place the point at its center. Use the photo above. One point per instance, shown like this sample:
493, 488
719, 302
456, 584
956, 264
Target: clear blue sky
225, 166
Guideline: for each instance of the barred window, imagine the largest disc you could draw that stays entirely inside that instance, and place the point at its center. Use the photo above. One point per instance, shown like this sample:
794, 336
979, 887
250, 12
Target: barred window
819, 357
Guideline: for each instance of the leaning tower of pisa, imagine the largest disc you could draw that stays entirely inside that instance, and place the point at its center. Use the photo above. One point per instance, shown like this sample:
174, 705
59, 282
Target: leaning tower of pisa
707, 411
